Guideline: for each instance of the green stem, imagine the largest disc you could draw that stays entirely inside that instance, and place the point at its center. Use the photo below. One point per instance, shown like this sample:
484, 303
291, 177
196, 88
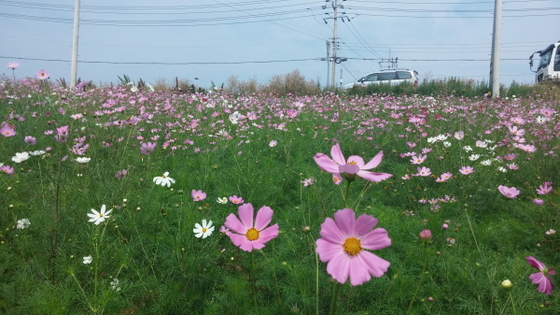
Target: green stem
347, 195
334, 296
252, 279
424, 267
512, 304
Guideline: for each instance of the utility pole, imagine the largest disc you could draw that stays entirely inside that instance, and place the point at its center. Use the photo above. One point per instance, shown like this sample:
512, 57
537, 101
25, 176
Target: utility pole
496, 43
328, 60
335, 46
74, 63
334, 59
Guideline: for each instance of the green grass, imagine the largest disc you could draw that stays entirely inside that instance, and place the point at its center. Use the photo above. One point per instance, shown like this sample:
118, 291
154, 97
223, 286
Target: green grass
148, 243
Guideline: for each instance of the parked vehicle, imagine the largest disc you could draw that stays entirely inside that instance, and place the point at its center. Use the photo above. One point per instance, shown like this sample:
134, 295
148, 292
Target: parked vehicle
549, 65
387, 76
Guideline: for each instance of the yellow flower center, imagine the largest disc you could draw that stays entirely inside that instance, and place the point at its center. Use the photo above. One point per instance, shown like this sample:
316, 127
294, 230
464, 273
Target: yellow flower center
352, 163
101, 215
204, 230
252, 234
352, 246
163, 176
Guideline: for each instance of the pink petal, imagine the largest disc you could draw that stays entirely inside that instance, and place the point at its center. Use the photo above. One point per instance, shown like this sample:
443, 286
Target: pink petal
359, 272
327, 250
246, 215
535, 263
337, 155
545, 285
268, 234
264, 216
373, 177
233, 223
357, 160
364, 224
237, 239
345, 219
325, 163
339, 267
376, 239
377, 266
331, 233
374, 162
349, 168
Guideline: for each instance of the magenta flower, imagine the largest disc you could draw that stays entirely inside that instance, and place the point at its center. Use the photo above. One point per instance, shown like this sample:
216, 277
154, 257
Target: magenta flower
198, 195
508, 192
42, 74
236, 200
353, 166
7, 169
545, 188
30, 140
541, 277
251, 233
147, 147
7, 130
343, 245
538, 201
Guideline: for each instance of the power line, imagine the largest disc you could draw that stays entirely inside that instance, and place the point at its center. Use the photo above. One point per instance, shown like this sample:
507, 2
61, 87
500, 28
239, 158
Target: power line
167, 63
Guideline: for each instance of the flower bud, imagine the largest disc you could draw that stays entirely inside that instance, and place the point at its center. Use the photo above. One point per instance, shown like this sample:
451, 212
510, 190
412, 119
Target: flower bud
425, 235
506, 284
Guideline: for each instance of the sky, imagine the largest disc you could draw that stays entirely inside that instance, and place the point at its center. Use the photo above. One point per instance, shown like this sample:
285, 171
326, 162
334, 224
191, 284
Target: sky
208, 42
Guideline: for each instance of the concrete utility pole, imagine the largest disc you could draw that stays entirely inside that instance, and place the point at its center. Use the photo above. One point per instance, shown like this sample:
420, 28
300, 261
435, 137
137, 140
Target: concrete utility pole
496, 43
335, 46
74, 63
328, 60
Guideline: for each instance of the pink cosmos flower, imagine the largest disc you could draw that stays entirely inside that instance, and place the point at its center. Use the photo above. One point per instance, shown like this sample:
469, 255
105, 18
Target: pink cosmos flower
423, 171
545, 188
7, 130
418, 159
42, 74
508, 192
30, 140
198, 195
147, 147
538, 201
248, 232
12, 65
7, 169
444, 177
353, 166
343, 245
541, 277
236, 200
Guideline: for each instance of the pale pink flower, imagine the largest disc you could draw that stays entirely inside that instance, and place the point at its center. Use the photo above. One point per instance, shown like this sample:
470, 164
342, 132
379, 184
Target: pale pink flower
42, 74
344, 243
7, 130
508, 192
423, 171
418, 159
353, 166
466, 170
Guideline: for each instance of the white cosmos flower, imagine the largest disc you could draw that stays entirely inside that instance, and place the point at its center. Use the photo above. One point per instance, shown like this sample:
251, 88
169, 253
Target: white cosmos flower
474, 157
98, 217
20, 157
467, 148
486, 162
83, 160
23, 224
203, 230
164, 180
87, 260
37, 152
223, 200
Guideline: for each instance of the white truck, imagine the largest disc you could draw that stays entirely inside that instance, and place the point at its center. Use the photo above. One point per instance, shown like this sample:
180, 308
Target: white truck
549, 65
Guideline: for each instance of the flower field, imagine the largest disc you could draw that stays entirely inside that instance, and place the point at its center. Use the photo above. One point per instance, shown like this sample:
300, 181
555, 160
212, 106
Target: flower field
126, 200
